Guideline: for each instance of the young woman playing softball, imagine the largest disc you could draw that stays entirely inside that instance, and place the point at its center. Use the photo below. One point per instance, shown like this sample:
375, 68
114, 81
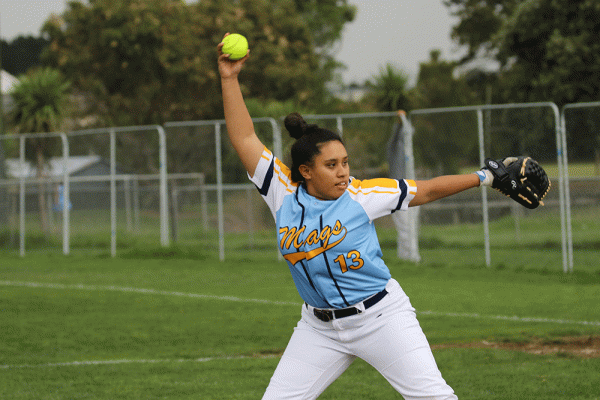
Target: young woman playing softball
324, 217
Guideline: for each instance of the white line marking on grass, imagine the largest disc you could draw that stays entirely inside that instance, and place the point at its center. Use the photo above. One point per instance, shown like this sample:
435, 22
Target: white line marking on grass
142, 291
509, 318
282, 303
115, 362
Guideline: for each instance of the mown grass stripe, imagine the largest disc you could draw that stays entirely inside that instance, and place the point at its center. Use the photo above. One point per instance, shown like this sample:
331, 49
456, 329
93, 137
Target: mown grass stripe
283, 303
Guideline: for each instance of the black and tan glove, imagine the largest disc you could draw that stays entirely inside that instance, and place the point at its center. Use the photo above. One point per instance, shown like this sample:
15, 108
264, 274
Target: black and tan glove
521, 178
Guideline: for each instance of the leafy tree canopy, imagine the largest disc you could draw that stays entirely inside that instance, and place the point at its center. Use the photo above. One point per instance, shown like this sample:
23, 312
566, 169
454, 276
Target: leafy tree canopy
440, 142
154, 61
438, 87
388, 89
22, 53
548, 48
552, 50
479, 21
41, 99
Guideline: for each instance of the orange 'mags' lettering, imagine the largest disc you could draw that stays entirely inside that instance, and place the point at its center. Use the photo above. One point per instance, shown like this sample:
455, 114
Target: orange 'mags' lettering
296, 243
289, 236
313, 237
338, 228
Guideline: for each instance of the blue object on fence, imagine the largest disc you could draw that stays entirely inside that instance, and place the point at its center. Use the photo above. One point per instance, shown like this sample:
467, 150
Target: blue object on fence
60, 199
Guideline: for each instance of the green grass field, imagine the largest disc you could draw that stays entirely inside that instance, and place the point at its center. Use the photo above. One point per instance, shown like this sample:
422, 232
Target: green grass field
177, 323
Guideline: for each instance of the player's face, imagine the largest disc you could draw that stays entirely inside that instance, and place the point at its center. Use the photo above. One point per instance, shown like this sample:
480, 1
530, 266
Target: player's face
327, 178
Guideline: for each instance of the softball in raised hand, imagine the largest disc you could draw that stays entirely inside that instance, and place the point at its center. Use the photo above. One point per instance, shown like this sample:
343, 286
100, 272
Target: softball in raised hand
235, 45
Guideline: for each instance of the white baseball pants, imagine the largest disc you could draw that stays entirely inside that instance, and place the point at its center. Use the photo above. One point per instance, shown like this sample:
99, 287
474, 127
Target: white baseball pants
387, 336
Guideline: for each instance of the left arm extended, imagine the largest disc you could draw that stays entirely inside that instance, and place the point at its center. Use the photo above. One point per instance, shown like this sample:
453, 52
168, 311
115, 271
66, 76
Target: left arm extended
442, 186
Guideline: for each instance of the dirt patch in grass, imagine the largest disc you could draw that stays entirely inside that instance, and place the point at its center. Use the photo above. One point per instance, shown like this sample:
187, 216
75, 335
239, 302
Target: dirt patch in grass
576, 346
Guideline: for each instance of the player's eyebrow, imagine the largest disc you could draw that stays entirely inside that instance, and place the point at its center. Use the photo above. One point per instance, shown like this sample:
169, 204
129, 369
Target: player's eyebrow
336, 159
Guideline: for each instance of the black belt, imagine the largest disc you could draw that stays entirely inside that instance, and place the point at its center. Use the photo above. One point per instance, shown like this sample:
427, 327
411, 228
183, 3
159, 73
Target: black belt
328, 315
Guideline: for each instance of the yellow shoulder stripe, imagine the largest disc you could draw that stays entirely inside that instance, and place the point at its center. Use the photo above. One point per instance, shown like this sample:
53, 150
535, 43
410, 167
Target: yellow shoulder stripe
284, 168
373, 183
266, 154
284, 175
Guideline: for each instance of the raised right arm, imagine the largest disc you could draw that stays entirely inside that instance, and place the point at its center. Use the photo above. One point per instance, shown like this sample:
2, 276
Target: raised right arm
240, 128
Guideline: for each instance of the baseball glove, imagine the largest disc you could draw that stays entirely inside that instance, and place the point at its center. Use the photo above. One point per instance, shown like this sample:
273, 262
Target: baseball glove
520, 178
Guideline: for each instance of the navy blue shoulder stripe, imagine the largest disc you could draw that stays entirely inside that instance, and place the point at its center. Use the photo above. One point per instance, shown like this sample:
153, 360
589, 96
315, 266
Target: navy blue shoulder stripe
268, 177
403, 193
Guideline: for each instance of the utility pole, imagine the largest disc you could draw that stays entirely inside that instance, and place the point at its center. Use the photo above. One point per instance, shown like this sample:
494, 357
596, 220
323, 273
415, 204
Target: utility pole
1, 109
3, 188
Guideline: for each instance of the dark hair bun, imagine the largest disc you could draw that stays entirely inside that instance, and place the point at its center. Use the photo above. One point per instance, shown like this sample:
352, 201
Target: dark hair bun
297, 126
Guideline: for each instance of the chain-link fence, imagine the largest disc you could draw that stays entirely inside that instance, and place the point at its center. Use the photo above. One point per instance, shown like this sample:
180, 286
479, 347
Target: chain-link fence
456, 140
81, 197
581, 139
28, 191
225, 212
109, 188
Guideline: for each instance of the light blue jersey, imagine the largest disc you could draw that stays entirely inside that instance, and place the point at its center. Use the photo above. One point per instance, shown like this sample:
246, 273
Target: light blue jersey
331, 246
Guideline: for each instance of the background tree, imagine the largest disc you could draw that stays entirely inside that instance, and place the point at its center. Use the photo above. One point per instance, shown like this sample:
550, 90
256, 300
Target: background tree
387, 90
22, 54
151, 61
439, 142
3, 189
326, 20
290, 44
437, 86
479, 21
548, 49
140, 62
41, 106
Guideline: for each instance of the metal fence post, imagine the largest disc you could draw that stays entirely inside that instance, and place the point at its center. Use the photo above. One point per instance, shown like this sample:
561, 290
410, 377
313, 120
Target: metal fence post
66, 209
220, 212
164, 195
22, 198
113, 193
484, 199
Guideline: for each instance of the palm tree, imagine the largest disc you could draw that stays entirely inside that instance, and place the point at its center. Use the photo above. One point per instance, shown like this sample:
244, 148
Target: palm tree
388, 89
41, 106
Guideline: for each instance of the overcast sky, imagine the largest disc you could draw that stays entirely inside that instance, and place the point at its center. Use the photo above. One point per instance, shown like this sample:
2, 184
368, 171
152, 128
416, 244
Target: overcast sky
399, 32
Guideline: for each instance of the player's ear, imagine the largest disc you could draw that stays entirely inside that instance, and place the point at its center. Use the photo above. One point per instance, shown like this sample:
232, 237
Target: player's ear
304, 171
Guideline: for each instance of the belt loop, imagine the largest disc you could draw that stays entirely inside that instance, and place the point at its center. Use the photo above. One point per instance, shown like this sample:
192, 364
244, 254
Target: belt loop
361, 307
